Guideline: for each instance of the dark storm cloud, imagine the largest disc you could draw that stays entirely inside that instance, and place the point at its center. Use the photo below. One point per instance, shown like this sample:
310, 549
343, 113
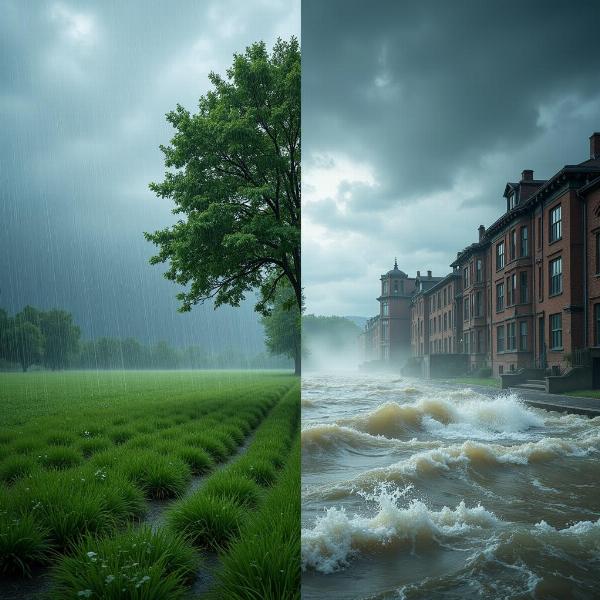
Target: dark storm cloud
416, 114
423, 88
84, 88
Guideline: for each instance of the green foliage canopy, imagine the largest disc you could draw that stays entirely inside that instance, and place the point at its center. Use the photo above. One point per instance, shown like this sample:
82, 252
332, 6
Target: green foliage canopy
282, 326
234, 176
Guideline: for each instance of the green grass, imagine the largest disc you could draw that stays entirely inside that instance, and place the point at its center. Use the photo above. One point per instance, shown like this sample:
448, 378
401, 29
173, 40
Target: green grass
136, 564
584, 393
264, 563
207, 521
23, 544
215, 515
82, 453
14, 467
486, 381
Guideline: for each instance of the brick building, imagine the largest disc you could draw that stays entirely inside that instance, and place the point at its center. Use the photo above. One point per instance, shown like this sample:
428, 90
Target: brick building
386, 338
526, 294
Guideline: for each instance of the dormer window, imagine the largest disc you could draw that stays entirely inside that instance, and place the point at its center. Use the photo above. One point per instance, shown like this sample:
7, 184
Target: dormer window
512, 200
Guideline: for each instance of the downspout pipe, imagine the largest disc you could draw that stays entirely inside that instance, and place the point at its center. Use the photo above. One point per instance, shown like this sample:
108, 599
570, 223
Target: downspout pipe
585, 272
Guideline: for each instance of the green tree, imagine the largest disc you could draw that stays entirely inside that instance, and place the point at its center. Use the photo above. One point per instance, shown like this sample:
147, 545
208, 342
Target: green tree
282, 327
23, 343
234, 176
61, 338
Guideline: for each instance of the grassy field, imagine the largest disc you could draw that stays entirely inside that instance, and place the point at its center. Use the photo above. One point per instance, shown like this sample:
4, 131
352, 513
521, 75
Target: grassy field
86, 456
585, 393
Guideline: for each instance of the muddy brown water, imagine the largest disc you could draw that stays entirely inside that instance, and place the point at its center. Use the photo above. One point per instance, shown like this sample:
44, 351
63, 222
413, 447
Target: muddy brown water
419, 491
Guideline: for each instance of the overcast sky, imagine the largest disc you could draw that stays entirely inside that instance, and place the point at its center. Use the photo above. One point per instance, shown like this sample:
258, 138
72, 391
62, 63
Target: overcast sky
415, 114
84, 87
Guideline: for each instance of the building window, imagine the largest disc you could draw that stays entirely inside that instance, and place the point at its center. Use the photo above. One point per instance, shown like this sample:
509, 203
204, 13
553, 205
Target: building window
523, 335
445, 321
499, 256
500, 338
478, 270
511, 288
524, 241
466, 309
540, 283
384, 331
467, 343
385, 288
479, 342
466, 277
556, 276
395, 287
511, 334
500, 297
556, 332
539, 237
597, 320
513, 244
385, 308
555, 223
478, 309
598, 253
524, 288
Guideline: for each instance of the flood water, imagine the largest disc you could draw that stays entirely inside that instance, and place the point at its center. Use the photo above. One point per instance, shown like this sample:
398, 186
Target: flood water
412, 490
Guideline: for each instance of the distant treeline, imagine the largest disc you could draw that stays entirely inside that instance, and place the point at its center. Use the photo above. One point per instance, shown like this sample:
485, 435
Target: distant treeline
329, 342
50, 339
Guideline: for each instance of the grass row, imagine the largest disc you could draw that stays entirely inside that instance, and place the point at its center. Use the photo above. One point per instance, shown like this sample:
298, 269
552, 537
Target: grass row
142, 565
218, 511
264, 563
65, 480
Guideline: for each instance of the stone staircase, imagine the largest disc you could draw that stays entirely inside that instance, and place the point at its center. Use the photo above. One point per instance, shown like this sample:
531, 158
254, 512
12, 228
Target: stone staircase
536, 385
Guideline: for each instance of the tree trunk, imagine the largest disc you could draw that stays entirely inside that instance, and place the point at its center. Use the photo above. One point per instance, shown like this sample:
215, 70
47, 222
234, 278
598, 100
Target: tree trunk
297, 364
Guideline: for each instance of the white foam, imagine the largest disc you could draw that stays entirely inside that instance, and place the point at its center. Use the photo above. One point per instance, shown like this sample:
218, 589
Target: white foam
473, 454
336, 537
458, 414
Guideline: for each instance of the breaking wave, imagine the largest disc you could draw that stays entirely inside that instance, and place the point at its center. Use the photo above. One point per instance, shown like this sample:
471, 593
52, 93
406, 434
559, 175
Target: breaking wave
476, 455
504, 414
330, 436
336, 537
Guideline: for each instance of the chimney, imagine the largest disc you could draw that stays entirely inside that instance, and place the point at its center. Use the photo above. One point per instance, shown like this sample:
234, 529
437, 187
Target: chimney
418, 274
429, 274
527, 175
481, 230
595, 145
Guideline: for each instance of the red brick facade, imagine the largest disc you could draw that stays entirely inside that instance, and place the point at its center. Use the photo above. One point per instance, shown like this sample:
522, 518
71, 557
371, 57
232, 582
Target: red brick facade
527, 293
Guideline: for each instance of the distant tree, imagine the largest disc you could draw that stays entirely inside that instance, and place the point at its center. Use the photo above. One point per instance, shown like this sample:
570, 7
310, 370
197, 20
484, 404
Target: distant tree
164, 357
22, 343
61, 338
135, 355
282, 327
108, 353
234, 176
193, 357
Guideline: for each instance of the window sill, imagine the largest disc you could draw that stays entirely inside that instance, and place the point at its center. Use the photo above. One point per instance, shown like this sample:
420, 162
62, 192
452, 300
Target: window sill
555, 294
551, 242
560, 349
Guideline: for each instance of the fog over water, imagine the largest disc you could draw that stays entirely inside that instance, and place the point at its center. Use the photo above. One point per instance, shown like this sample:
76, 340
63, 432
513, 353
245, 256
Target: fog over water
416, 490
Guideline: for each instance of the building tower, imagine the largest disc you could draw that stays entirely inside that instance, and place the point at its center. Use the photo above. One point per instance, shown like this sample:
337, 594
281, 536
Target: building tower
394, 312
